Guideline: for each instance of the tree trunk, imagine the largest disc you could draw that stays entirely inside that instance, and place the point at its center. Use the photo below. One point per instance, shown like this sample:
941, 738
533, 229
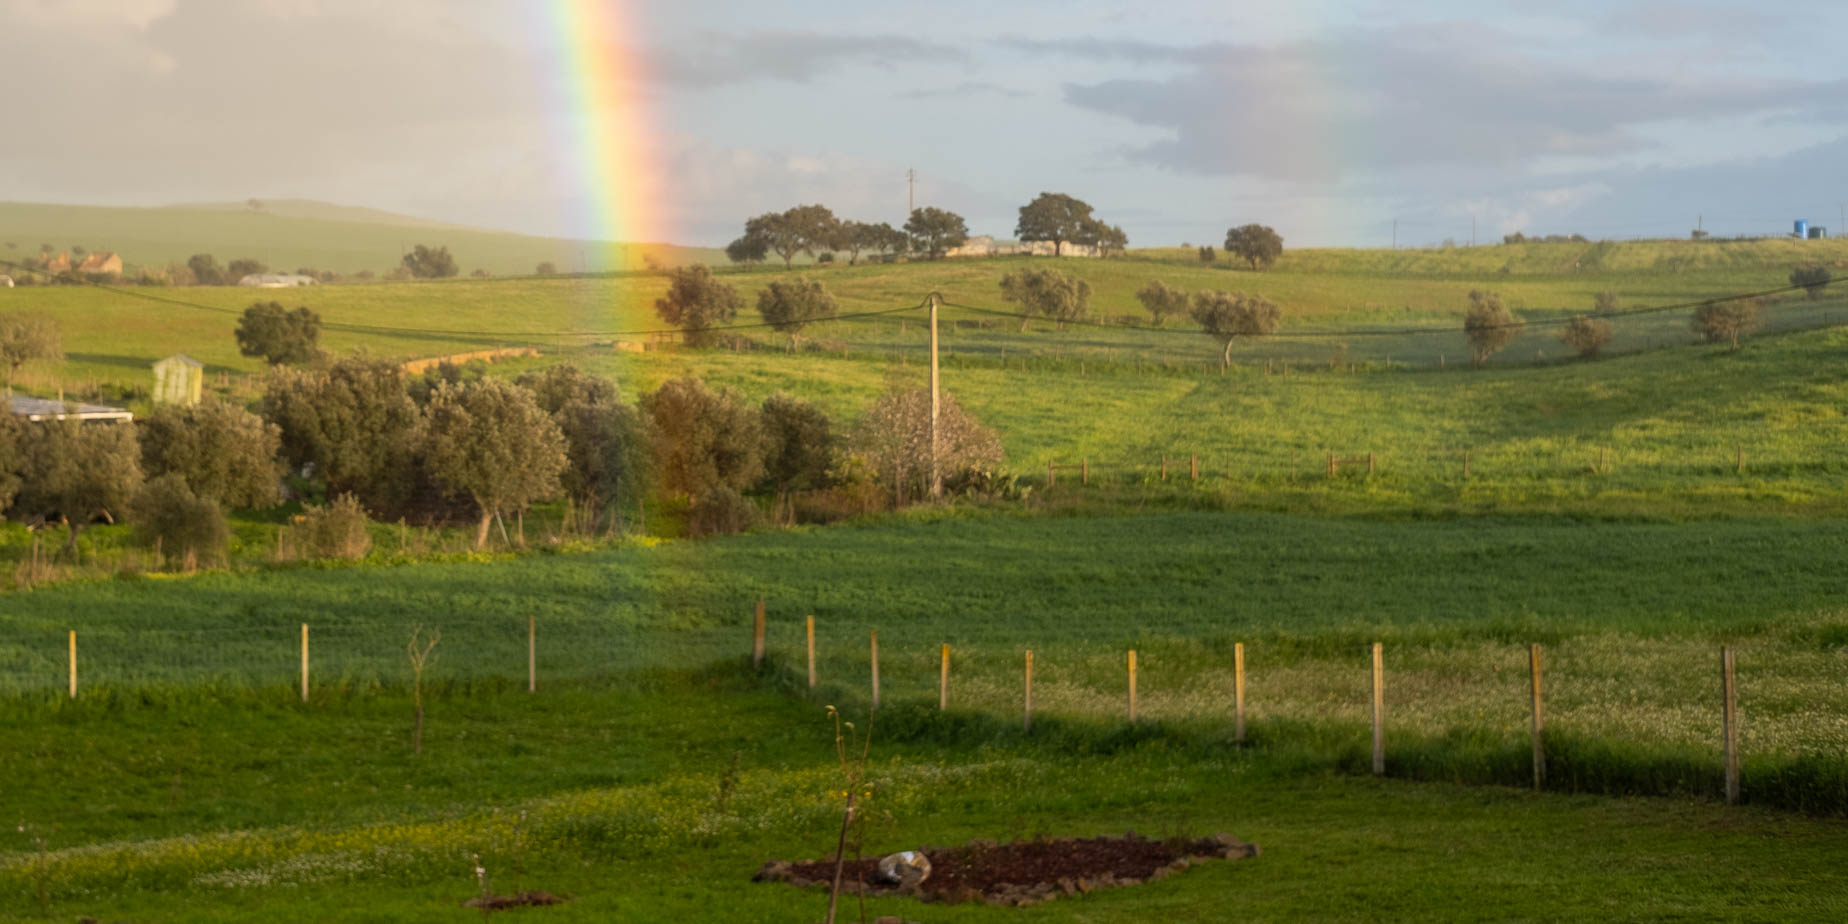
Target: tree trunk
481, 532
1225, 359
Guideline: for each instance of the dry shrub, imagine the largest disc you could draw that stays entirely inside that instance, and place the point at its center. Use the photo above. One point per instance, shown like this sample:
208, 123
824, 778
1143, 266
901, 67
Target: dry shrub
721, 512
337, 530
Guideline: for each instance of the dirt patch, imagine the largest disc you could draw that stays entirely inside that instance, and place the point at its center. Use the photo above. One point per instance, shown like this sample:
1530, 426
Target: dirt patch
1024, 872
522, 900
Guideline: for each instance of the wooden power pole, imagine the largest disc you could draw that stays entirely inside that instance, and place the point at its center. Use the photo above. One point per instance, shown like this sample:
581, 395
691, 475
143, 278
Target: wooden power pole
936, 475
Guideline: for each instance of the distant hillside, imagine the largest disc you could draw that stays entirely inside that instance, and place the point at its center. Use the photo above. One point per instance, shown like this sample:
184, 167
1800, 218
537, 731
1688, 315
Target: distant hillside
293, 233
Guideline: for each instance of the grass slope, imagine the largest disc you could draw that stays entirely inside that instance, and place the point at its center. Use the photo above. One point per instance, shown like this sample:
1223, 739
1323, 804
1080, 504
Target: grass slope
294, 233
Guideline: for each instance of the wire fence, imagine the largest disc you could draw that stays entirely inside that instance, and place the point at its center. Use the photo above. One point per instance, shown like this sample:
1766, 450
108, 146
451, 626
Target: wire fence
1632, 705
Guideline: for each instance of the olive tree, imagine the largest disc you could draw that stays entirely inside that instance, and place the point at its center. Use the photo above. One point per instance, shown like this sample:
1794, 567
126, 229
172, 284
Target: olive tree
894, 439
430, 262
703, 440
1258, 245
352, 426
77, 473
1717, 321
788, 305
280, 336
1489, 326
1162, 300
26, 337
798, 448
1227, 316
696, 301
224, 453
606, 440
1047, 292
490, 441
1813, 277
184, 526
1586, 336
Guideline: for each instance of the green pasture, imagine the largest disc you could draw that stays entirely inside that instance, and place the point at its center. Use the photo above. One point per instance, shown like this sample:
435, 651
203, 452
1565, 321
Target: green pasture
288, 234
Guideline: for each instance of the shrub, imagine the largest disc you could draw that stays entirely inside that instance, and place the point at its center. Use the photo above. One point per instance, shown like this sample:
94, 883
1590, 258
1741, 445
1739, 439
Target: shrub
545, 268
1489, 326
1717, 321
721, 512
894, 439
185, 527
1586, 335
1162, 300
1813, 277
336, 530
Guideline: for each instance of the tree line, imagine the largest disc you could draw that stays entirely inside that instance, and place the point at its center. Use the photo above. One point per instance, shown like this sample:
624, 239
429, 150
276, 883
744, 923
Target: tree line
357, 438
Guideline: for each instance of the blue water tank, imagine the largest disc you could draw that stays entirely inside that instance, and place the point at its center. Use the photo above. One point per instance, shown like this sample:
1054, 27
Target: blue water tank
1802, 227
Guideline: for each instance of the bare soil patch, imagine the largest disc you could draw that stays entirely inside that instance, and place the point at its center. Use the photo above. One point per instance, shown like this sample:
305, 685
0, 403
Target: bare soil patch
1023, 872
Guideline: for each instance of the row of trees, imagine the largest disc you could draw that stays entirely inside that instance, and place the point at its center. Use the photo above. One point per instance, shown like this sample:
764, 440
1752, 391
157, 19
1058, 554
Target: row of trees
697, 301
814, 230
454, 442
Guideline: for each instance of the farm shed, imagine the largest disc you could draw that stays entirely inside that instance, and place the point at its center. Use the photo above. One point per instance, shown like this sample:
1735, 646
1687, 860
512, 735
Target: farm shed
38, 409
178, 379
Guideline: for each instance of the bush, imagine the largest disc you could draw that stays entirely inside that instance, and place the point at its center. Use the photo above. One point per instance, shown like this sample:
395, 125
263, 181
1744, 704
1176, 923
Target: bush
1586, 335
721, 512
1717, 321
185, 527
337, 530
1813, 277
1489, 326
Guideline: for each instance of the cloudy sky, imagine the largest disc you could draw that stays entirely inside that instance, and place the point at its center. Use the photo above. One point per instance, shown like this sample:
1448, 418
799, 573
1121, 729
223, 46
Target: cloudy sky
1325, 119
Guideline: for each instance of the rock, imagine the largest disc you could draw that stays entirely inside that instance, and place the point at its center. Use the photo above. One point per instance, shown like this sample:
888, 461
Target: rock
1235, 849
906, 869
773, 871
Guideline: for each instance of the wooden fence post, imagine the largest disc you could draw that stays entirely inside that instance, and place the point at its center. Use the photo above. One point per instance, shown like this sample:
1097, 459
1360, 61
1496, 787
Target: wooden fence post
811, 651
1379, 712
1369, 464
1740, 467
1465, 465
1132, 684
1533, 670
1084, 471
875, 668
1193, 468
1164, 466
1052, 475
1238, 692
757, 636
1331, 465
1029, 716
1730, 719
943, 680
73, 664
532, 653
304, 662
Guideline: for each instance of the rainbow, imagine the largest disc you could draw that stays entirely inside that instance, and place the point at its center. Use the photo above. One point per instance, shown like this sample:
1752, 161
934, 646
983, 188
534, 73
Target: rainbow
606, 122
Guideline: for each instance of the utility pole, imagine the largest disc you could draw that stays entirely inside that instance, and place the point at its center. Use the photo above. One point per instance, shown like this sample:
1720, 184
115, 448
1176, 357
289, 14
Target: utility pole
1395, 234
911, 204
1472, 230
936, 476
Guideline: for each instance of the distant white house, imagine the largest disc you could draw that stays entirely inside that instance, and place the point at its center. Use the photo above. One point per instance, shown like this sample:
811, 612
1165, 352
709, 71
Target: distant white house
275, 280
984, 245
6, 282
37, 409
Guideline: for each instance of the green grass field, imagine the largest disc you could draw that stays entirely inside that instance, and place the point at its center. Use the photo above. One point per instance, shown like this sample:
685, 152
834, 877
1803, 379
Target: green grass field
287, 234
1630, 514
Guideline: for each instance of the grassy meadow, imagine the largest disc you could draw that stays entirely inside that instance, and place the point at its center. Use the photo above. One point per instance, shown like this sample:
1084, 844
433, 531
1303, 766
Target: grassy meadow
1631, 514
291, 233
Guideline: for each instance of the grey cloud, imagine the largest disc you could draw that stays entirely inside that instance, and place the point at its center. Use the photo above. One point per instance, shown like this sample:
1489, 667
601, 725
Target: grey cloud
966, 88
1394, 100
713, 60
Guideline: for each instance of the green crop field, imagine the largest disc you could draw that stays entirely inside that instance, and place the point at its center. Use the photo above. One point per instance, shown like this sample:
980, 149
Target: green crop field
1631, 514
287, 234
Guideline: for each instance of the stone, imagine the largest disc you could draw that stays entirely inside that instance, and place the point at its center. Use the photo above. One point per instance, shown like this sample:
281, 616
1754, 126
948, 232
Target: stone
906, 869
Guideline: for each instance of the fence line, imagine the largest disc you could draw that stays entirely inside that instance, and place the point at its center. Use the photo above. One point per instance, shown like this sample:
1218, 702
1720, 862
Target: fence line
1731, 751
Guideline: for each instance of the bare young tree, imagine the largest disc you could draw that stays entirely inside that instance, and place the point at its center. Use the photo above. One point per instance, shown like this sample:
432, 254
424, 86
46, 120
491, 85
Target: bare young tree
894, 438
422, 654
